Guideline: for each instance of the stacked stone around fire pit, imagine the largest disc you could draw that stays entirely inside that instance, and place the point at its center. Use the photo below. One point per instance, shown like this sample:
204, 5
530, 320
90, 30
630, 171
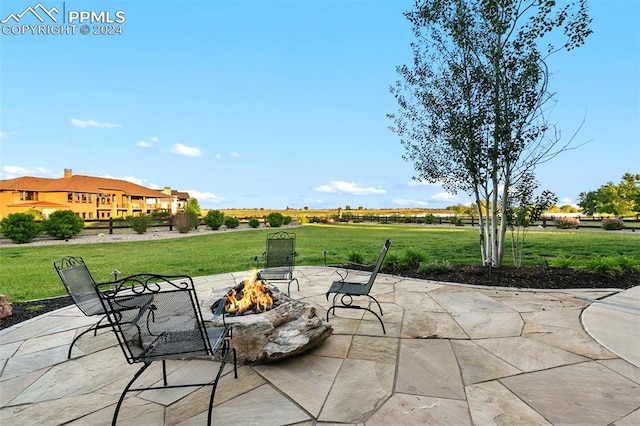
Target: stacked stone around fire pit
289, 328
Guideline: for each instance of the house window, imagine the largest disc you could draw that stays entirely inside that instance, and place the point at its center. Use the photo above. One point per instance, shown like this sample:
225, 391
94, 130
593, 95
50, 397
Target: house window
69, 196
29, 196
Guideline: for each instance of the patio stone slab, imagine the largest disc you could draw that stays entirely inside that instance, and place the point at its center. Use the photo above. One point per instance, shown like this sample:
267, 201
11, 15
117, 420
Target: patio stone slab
576, 341
623, 368
261, 406
479, 365
360, 387
462, 300
423, 325
378, 349
306, 380
527, 354
402, 409
590, 395
429, 368
482, 325
491, 403
632, 419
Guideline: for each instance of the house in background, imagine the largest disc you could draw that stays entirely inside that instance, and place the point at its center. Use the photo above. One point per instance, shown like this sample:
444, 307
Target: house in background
87, 196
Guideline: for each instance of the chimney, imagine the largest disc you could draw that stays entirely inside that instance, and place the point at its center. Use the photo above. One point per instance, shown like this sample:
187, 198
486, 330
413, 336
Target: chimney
67, 173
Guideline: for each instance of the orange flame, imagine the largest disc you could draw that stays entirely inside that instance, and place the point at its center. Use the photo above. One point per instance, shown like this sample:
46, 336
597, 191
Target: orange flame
254, 296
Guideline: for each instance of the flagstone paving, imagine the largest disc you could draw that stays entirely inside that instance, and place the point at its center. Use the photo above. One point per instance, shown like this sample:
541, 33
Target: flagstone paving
452, 355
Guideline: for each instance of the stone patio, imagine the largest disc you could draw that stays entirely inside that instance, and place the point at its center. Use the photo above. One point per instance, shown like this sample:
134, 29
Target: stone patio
452, 355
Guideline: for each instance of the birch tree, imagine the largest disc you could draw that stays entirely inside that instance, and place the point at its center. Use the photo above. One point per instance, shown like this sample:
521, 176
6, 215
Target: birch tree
473, 105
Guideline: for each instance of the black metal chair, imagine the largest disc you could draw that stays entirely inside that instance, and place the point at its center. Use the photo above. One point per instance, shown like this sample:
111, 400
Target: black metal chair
158, 318
81, 287
279, 259
349, 290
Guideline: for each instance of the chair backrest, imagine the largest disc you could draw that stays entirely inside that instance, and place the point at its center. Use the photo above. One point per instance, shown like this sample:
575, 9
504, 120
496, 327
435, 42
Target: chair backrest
80, 285
156, 317
281, 250
378, 265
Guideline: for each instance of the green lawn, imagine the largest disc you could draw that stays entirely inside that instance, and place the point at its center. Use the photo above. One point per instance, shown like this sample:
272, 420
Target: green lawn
27, 273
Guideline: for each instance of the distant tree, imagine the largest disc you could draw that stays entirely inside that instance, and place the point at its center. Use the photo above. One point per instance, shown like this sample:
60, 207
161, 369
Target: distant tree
193, 207
472, 105
588, 201
618, 200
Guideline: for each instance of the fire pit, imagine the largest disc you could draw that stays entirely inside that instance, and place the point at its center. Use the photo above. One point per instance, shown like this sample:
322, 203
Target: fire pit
251, 296
267, 324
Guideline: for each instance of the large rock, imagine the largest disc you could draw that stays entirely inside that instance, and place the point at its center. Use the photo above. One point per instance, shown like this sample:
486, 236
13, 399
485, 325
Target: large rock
288, 329
5, 306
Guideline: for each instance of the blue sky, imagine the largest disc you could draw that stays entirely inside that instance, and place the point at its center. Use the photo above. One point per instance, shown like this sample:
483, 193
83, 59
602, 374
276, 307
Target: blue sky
276, 104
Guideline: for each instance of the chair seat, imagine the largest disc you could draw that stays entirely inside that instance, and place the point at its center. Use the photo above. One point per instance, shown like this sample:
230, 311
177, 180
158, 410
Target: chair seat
276, 274
356, 289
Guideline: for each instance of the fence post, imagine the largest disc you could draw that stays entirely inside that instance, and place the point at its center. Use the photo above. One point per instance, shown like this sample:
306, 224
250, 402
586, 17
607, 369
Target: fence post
110, 225
170, 223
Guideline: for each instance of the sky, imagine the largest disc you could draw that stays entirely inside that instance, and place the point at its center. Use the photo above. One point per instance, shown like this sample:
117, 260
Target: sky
272, 103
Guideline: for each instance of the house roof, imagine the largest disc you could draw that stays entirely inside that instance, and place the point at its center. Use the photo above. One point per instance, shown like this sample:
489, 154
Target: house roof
76, 183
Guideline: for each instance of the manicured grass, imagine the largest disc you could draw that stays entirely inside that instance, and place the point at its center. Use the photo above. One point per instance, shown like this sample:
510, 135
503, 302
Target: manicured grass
26, 273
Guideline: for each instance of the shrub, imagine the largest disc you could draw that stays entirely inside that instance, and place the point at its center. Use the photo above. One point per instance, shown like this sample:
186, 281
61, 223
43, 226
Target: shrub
287, 220
63, 224
275, 219
612, 224
566, 222
602, 265
392, 262
214, 219
302, 220
429, 219
412, 258
20, 227
434, 267
139, 223
183, 222
254, 223
231, 222
456, 220
355, 256
563, 262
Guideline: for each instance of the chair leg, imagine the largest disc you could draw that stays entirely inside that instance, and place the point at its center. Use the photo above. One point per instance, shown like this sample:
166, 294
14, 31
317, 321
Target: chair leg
126, 389
93, 328
214, 385
164, 372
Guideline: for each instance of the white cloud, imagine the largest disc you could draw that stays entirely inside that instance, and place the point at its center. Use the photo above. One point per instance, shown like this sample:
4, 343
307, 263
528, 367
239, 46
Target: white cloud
145, 144
235, 155
336, 186
204, 197
4, 135
75, 122
422, 183
10, 172
443, 196
188, 151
